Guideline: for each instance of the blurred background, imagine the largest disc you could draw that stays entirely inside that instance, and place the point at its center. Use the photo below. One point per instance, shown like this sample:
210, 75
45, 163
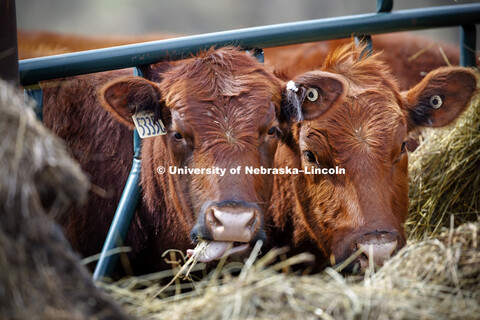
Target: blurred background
186, 17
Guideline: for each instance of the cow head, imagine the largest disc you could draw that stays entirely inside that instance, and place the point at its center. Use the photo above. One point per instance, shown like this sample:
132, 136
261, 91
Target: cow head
351, 115
221, 111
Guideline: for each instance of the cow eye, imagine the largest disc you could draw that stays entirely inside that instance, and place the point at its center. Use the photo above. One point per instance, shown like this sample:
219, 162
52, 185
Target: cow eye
178, 136
403, 147
436, 101
312, 94
272, 131
310, 156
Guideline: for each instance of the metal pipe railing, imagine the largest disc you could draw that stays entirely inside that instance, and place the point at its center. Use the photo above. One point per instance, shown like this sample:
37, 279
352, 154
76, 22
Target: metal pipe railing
468, 38
34, 70
122, 218
125, 210
384, 5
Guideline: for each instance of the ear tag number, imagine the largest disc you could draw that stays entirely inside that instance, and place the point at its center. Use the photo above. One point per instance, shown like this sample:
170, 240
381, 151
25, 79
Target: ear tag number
147, 126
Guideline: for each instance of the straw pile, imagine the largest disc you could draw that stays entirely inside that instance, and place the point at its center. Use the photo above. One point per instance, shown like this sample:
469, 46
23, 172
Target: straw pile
40, 276
431, 278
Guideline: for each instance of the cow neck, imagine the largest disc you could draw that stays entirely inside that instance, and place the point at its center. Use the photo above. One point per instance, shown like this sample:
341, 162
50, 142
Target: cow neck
285, 210
162, 193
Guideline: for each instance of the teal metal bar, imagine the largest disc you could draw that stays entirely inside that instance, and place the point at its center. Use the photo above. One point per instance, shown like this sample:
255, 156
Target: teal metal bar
123, 216
125, 211
258, 54
34, 70
369, 45
468, 38
384, 5
35, 93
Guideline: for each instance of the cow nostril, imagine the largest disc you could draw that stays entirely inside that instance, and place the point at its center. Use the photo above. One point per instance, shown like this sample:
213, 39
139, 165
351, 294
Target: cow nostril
253, 222
213, 217
233, 219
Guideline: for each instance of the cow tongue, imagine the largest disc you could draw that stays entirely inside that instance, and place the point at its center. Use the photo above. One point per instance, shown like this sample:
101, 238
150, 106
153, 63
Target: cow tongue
215, 250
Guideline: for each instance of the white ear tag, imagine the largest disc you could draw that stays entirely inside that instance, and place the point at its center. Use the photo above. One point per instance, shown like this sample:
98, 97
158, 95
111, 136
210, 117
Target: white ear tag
147, 126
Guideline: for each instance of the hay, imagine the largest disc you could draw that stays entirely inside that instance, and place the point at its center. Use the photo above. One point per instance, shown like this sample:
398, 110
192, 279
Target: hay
432, 279
40, 276
444, 176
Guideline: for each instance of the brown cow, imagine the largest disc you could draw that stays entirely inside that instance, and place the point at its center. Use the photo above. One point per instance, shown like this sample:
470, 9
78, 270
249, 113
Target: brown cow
34, 44
351, 114
221, 109
410, 58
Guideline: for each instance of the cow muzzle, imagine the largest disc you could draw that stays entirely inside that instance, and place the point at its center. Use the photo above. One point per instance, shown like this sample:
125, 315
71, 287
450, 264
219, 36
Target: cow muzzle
375, 248
230, 227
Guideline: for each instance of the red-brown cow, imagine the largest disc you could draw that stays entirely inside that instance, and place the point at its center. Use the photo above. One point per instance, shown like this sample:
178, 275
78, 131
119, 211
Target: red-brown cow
34, 44
221, 109
351, 114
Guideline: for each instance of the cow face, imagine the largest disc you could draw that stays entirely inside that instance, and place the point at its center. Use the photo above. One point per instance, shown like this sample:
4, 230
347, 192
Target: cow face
351, 115
221, 113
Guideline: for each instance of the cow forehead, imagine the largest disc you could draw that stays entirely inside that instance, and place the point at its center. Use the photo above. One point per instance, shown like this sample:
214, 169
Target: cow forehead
246, 91
217, 75
234, 121
238, 103
367, 125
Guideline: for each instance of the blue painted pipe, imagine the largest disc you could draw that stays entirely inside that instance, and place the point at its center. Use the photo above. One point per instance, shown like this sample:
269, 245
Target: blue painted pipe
35, 93
44, 68
123, 216
468, 38
384, 5
125, 211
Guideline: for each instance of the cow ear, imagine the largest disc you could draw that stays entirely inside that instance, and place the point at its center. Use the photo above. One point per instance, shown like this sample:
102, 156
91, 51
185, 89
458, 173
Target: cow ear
311, 95
123, 97
440, 97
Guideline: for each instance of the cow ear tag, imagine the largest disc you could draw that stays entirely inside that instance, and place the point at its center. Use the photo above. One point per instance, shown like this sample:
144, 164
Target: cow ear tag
146, 125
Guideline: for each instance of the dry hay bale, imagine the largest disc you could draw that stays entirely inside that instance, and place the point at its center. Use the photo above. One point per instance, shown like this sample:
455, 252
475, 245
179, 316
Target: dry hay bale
432, 279
41, 277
